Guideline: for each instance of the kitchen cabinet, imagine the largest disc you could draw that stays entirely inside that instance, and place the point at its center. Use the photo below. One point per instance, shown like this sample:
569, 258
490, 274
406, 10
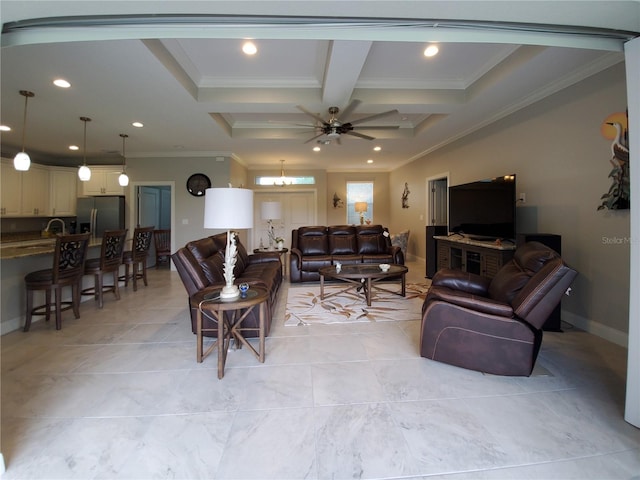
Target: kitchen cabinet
62, 192
35, 191
104, 181
24, 194
11, 201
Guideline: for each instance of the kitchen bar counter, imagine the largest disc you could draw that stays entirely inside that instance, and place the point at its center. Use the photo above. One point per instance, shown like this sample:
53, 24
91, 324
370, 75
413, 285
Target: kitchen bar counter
19, 258
29, 248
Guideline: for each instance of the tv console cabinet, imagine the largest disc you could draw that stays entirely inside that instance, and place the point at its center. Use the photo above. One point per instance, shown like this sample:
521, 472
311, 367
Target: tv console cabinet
474, 256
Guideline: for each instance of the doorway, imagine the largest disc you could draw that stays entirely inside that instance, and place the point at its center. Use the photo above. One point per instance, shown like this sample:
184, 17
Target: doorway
153, 203
299, 209
437, 207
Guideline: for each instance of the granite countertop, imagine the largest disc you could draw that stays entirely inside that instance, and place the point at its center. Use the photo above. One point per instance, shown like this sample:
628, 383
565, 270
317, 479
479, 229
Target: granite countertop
29, 248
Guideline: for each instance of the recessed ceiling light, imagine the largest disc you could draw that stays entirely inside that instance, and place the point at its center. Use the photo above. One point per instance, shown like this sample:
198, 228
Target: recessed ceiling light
316, 149
74, 147
377, 148
138, 124
5, 128
61, 82
431, 50
249, 48
369, 161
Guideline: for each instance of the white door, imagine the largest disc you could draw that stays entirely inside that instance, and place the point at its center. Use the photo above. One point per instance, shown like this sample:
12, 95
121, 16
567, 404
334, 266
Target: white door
298, 210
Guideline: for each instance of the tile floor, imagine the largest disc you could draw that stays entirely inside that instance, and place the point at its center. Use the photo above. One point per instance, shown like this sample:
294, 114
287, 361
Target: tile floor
118, 394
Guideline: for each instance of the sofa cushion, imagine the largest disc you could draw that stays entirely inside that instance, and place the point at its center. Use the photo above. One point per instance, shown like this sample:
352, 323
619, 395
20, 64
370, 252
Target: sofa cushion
342, 240
372, 239
313, 241
508, 282
213, 268
203, 248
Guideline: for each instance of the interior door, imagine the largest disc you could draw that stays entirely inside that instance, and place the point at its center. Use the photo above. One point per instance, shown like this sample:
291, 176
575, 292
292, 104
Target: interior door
298, 209
149, 214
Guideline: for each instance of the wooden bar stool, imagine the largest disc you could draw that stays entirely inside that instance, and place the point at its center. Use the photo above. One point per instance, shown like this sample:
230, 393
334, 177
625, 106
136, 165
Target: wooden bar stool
137, 256
68, 269
109, 261
162, 240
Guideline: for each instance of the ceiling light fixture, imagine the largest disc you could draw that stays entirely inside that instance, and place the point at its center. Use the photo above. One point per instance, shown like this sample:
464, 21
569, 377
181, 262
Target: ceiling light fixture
74, 147
283, 180
123, 179
377, 148
249, 48
431, 51
369, 161
21, 161
138, 124
316, 148
84, 172
61, 82
5, 128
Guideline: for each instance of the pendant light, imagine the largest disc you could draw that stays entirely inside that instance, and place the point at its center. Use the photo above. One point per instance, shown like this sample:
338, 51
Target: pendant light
123, 179
84, 172
283, 180
22, 161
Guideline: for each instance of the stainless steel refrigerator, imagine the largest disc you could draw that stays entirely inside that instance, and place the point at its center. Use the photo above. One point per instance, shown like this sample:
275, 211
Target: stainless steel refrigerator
97, 214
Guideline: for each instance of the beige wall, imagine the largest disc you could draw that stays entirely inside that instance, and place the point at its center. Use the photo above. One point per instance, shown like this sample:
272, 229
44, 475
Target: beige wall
561, 161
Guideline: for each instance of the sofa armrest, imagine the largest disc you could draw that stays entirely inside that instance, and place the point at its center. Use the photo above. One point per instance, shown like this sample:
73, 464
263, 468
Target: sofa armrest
470, 301
463, 281
295, 265
396, 253
263, 257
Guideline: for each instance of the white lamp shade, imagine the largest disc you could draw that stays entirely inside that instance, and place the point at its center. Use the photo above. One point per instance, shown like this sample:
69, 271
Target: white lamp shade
228, 208
21, 162
123, 179
84, 173
271, 210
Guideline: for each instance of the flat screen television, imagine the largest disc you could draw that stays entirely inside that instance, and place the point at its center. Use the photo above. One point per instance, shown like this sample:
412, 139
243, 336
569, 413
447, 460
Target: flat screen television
485, 209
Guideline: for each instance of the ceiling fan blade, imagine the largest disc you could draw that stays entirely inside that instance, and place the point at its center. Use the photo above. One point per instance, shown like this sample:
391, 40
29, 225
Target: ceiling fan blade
311, 114
348, 111
277, 122
313, 138
374, 117
390, 127
359, 135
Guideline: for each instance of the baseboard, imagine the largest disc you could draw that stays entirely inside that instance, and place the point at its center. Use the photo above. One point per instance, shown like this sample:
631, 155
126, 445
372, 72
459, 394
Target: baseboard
598, 329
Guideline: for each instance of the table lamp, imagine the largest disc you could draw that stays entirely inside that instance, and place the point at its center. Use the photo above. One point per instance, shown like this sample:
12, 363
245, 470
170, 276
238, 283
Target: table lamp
228, 208
360, 208
271, 211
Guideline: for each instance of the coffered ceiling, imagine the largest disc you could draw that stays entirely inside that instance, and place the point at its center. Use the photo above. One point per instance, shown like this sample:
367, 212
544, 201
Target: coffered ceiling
197, 94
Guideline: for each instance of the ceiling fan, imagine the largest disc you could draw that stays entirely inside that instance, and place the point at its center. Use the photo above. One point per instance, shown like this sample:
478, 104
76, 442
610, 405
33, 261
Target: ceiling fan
336, 125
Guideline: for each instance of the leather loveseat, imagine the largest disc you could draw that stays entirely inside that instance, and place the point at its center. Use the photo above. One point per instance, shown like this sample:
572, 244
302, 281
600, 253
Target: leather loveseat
494, 325
319, 246
200, 266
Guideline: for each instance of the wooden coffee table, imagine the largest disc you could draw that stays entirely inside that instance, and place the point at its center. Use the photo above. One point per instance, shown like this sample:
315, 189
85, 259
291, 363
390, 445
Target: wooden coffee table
363, 275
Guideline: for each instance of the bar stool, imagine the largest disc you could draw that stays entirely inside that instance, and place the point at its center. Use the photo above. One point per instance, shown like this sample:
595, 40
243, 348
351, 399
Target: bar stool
137, 256
110, 259
162, 241
68, 268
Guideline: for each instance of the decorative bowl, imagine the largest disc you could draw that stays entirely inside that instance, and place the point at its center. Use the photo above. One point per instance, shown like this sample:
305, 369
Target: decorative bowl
384, 266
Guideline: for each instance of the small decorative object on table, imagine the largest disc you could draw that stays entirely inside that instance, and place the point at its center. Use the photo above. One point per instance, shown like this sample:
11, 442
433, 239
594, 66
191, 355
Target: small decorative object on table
279, 243
244, 288
338, 267
384, 267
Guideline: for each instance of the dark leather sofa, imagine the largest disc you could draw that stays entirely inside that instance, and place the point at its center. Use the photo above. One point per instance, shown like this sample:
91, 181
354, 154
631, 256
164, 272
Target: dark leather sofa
319, 246
494, 325
200, 266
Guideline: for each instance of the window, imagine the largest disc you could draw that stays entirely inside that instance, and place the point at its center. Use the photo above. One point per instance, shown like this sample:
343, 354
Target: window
359, 202
281, 181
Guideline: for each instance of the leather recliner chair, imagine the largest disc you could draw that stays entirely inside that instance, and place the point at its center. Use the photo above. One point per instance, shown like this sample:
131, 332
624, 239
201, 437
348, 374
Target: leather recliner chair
494, 325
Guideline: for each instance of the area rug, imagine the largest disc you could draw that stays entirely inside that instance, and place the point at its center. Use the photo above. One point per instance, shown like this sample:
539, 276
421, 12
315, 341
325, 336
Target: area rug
304, 306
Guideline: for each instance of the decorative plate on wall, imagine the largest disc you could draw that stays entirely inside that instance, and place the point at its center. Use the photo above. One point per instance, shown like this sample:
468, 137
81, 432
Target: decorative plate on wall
197, 184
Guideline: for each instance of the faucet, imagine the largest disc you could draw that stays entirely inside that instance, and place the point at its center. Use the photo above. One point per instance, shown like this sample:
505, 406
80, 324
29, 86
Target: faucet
55, 220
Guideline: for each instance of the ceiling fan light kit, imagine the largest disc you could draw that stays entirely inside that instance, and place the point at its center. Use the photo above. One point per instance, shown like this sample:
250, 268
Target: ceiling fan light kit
337, 124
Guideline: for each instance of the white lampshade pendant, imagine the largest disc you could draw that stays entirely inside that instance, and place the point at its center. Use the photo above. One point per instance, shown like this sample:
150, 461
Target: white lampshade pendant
123, 179
84, 172
21, 161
